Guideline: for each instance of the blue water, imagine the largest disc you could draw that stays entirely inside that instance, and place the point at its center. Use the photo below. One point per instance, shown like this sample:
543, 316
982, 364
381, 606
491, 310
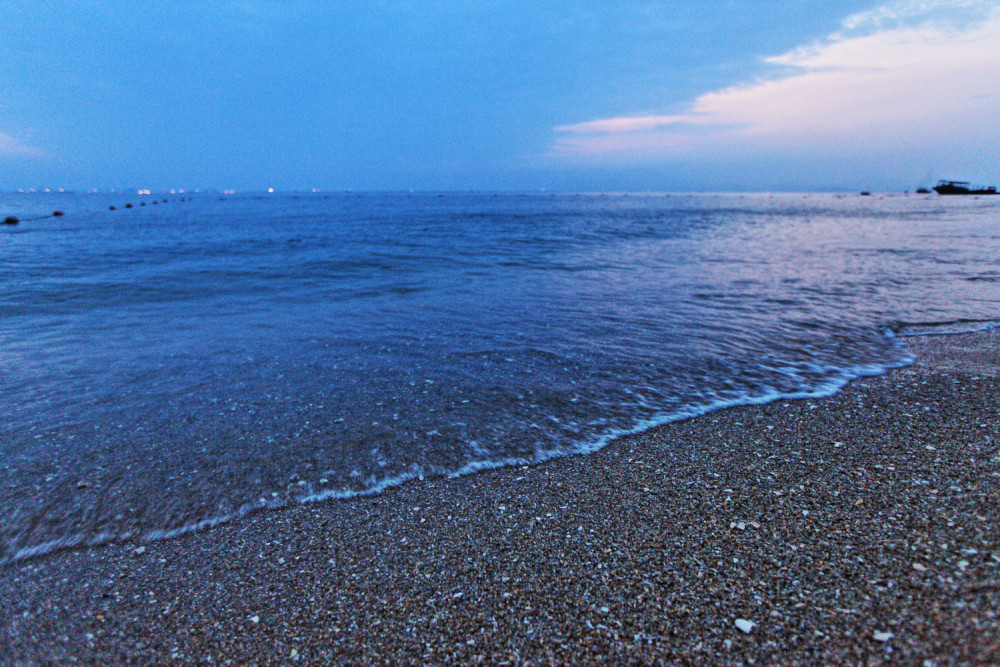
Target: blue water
170, 366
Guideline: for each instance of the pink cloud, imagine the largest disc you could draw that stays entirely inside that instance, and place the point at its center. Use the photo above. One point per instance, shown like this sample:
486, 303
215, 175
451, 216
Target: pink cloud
889, 84
624, 124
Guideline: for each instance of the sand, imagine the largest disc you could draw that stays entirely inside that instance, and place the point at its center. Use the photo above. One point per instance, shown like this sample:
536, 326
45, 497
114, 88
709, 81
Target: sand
863, 528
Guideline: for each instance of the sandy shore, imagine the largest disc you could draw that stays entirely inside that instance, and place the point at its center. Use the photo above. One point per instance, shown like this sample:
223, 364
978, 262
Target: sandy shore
859, 529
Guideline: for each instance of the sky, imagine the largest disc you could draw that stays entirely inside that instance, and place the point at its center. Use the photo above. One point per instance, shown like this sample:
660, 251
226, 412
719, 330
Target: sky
685, 95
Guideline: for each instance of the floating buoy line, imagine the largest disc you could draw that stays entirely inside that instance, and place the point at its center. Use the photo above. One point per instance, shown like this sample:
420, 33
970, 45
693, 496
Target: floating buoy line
13, 219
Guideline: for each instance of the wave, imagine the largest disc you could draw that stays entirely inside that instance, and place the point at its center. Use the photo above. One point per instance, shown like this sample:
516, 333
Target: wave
945, 327
830, 386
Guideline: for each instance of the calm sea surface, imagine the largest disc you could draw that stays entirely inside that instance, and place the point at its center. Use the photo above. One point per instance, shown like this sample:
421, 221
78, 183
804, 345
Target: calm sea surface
169, 366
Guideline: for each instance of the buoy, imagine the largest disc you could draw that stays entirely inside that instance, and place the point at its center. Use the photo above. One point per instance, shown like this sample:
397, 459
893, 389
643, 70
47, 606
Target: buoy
10, 220
128, 205
111, 208
57, 214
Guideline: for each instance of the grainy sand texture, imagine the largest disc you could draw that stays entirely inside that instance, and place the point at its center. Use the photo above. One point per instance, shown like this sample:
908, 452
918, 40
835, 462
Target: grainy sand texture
863, 528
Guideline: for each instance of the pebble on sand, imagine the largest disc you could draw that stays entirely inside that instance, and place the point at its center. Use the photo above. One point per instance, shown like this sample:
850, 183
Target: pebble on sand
660, 548
745, 626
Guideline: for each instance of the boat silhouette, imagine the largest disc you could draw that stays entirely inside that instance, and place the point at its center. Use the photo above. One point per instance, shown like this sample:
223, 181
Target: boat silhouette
963, 188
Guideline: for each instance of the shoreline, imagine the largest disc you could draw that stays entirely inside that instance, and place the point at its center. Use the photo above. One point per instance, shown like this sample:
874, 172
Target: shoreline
822, 390
829, 523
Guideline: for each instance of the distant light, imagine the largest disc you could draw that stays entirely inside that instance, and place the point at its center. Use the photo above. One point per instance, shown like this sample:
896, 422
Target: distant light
315, 189
270, 189
173, 192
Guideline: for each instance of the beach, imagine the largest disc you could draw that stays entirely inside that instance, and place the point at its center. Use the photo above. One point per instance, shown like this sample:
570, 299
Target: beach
863, 528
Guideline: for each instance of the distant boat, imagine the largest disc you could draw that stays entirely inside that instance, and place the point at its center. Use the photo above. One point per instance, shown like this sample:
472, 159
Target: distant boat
963, 188
923, 191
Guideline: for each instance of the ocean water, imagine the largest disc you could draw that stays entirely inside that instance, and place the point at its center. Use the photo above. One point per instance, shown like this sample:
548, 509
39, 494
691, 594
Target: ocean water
173, 365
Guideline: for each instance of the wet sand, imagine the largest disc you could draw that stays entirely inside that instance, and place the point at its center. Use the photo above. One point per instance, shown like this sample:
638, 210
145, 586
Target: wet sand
858, 529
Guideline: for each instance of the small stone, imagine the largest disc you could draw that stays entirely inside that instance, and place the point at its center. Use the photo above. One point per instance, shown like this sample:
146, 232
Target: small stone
140, 551
294, 654
919, 567
745, 626
882, 636
962, 564
255, 619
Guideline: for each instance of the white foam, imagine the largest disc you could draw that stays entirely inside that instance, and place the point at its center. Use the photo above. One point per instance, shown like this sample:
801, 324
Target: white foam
953, 332
825, 389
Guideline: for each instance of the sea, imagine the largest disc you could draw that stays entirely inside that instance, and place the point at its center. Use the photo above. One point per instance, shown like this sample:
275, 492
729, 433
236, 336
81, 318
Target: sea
183, 361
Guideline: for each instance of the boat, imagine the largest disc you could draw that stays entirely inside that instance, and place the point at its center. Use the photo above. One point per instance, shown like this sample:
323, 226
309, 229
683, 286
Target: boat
963, 188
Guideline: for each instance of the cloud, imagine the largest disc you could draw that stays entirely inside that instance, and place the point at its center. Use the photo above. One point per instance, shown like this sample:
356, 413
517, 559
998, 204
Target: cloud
908, 12
11, 146
892, 73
